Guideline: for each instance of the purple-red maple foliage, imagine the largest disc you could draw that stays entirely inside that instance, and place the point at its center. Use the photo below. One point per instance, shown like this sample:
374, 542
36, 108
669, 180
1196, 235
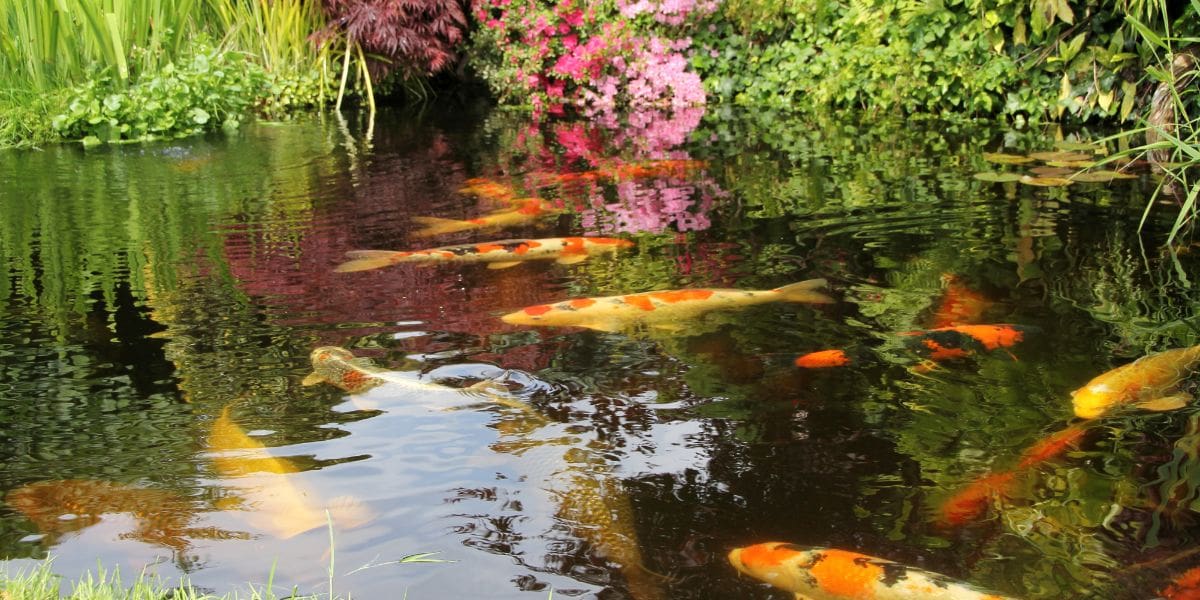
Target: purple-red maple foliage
418, 36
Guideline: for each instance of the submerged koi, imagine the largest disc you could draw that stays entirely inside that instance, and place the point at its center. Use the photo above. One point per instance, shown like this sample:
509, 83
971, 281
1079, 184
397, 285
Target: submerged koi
960, 305
1051, 446
527, 210
961, 341
339, 367
274, 501
823, 359
1185, 586
1150, 383
488, 189
500, 254
615, 313
831, 574
163, 518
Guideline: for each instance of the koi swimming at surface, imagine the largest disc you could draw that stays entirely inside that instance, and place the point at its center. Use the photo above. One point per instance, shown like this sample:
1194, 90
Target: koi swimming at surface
499, 254
1150, 383
662, 309
525, 211
831, 574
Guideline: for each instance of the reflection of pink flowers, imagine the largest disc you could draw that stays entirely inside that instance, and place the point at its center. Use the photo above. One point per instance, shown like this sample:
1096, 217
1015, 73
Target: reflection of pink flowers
651, 206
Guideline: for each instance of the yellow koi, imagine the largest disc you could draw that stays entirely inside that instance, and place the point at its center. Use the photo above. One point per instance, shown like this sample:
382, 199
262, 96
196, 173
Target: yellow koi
526, 211
832, 574
1150, 382
615, 313
500, 254
274, 501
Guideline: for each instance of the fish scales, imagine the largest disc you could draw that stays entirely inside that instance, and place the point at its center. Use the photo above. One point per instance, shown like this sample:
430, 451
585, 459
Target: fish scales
1148, 379
831, 574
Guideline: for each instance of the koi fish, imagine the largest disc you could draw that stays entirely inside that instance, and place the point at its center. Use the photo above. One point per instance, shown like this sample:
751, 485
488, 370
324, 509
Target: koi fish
340, 368
274, 501
488, 189
961, 341
654, 168
973, 500
823, 359
831, 574
1185, 586
960, 304
615, 313
1150, 382
163, 518
499, 254
527, 210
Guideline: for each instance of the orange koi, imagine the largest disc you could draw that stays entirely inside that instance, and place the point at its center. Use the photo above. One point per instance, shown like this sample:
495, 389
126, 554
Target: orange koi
960, 305
526, 210
823, 359
654, 168
971, 502
831, 574
163, 518
660, 309
1051, 446
1185, 586
499, 254
961, 341
488, 189
1150, 383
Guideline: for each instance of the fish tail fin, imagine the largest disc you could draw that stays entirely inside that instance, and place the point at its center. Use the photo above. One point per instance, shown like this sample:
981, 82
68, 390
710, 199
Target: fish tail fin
348, 512
805, 291
437, 226
365, 260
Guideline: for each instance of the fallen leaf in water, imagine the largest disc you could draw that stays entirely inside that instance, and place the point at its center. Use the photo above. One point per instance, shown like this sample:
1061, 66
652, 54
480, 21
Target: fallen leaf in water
1071, 164
1059, 156
1100, 176
1049, 171
997, 177
1006, 159
1045, 181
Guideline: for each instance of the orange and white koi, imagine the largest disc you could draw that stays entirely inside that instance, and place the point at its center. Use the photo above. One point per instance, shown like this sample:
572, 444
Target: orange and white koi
499, 254
1150, 383
526, 210
830, 574
960, 305
163, 517
616, 313
270, 496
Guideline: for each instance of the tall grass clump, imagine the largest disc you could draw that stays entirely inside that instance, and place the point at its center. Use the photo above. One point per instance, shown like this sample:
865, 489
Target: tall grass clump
41, 583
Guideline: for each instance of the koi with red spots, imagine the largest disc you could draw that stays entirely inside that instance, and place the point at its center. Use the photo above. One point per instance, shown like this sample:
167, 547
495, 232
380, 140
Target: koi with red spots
526, 210
659, 309
499, 254
830, 574
1151, 382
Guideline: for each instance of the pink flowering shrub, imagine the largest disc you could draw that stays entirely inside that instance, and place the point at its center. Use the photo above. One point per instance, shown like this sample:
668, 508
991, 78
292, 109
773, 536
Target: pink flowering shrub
594, 56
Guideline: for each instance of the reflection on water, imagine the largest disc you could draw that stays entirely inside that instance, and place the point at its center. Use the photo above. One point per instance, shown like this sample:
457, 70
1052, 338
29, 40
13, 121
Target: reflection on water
160, 304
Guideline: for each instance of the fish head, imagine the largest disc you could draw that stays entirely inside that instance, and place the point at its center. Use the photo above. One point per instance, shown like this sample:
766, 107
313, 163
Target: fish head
327, 354
783, 565
1092, 400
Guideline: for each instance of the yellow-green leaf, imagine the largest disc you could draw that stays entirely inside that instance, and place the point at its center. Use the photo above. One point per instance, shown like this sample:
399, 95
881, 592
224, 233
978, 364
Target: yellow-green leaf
1128, 94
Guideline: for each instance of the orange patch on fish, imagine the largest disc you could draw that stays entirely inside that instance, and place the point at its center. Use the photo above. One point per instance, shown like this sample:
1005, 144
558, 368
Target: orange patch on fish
991, 336
482, 248
539, 309
766, 555
477, 221
970, 503
822, 359
673, 296
581, 303
573, 245
939, 352
847, 574
1051, 446
531, 207
353, 379
1185, 586
641, 301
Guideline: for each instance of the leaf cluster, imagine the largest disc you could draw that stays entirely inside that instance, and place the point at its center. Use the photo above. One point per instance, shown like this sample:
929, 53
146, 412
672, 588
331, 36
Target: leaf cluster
413, 36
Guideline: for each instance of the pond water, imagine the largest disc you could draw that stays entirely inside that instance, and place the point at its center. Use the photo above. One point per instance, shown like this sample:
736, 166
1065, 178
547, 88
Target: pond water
160, 302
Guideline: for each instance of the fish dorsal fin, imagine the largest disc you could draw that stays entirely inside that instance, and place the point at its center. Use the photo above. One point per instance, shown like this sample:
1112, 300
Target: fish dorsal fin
571, 259
503, 265
348, 512
1165, 403
312, 379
